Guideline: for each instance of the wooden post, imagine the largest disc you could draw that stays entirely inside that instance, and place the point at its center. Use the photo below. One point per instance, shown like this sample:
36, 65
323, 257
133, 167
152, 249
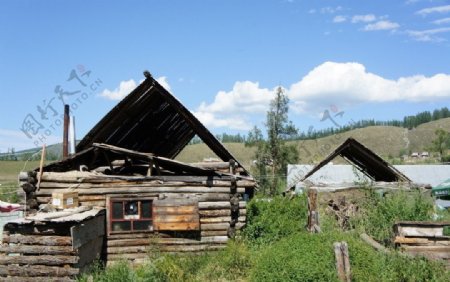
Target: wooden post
313, 213
340, 268
66, 132
342, 261
41, 166
377, 246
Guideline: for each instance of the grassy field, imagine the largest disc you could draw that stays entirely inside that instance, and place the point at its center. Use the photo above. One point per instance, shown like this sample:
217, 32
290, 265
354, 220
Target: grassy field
9, 171
383, 140
276, 247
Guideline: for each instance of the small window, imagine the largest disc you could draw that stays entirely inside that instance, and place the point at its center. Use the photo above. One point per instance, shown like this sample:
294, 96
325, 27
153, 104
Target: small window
130, 215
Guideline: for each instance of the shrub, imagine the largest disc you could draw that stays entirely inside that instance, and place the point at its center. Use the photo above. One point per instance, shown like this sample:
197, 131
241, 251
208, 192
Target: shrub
269, 220
379, 212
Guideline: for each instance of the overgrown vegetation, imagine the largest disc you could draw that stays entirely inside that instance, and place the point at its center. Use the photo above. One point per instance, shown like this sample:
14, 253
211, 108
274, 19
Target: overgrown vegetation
275, 246
380, 211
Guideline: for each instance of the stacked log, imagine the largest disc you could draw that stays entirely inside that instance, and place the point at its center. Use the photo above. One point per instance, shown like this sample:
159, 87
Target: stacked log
221, 208
49, 251
423, 238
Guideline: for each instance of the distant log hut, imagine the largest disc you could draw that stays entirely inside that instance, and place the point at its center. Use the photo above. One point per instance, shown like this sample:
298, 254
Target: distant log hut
126, 165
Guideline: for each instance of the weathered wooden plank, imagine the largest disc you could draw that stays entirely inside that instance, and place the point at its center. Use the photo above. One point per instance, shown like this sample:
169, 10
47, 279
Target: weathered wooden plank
214, 233
144, 251
223, 219
210, 213
175, 202
175, 210
141, 189
369, 240
37, 249
38, 270
94, 204
36, 279
215, 219
214, 239
89, 252
38, 240
215, 226
41, 259
89, 177
129, 236
214, 205
176, 225
418, 231
87, 231
161, 218
150, 240
427, 248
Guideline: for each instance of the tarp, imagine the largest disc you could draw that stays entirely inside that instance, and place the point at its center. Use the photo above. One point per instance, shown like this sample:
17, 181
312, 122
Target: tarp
442, 191
8, 207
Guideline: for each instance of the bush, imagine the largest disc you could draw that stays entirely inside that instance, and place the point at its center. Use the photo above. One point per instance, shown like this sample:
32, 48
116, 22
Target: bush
379, 212
310, 257
269, 220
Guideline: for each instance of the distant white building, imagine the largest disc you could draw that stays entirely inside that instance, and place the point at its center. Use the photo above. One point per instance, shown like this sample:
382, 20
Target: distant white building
424, 155
414, 155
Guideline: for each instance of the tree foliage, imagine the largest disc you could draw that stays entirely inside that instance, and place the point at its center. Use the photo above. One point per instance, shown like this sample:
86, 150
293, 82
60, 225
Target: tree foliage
273, 154
441, 143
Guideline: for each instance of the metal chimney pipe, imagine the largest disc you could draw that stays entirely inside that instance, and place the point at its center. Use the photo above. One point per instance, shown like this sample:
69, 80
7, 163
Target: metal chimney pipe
66, 132
72, 136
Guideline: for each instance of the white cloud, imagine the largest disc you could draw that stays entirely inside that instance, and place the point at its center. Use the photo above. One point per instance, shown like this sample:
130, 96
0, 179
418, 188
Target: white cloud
231, 109
442, 21
429, 35
211, 120
381, 25
339, 19
164, 83
312, 11
351, 83
126, 86
246, 96
330, 10
364, 18
330, 83
431, 10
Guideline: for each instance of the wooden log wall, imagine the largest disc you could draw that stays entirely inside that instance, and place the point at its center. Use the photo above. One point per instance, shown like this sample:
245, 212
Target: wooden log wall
52, 252
221, 209
422, 238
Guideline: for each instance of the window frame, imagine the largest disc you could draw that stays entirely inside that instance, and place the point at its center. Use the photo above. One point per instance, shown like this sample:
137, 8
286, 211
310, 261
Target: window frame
123, 200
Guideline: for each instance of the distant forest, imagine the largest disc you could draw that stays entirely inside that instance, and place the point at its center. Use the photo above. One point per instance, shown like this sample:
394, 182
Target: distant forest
409, 122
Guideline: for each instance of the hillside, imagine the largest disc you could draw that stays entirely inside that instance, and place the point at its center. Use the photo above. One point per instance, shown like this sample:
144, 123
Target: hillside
384, 140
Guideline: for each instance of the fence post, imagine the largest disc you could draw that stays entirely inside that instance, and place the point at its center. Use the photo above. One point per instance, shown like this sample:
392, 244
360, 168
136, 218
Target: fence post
313, 213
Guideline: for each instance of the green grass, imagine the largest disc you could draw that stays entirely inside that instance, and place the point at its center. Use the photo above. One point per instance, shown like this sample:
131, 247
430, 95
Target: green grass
9, 172
276, 247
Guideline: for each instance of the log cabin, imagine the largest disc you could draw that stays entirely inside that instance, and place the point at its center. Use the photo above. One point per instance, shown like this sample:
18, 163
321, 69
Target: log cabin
126, 165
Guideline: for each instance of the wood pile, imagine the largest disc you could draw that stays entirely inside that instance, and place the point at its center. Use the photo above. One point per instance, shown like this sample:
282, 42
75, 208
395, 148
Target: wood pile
342, 211
50, 250
423, 238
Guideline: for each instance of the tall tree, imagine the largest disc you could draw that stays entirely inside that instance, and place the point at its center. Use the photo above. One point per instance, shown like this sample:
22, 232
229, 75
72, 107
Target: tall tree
273, 154
441, 143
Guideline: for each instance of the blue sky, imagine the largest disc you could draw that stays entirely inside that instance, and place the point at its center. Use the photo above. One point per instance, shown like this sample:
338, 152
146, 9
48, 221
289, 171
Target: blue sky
223, 59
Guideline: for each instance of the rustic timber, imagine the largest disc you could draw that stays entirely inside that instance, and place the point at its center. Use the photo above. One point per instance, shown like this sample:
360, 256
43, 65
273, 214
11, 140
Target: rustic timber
38, 270
37, 240
37, 249
40, 259
374, 244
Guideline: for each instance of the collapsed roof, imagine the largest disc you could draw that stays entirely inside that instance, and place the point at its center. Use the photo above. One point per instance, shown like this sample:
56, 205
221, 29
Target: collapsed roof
150, 119
364, 160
